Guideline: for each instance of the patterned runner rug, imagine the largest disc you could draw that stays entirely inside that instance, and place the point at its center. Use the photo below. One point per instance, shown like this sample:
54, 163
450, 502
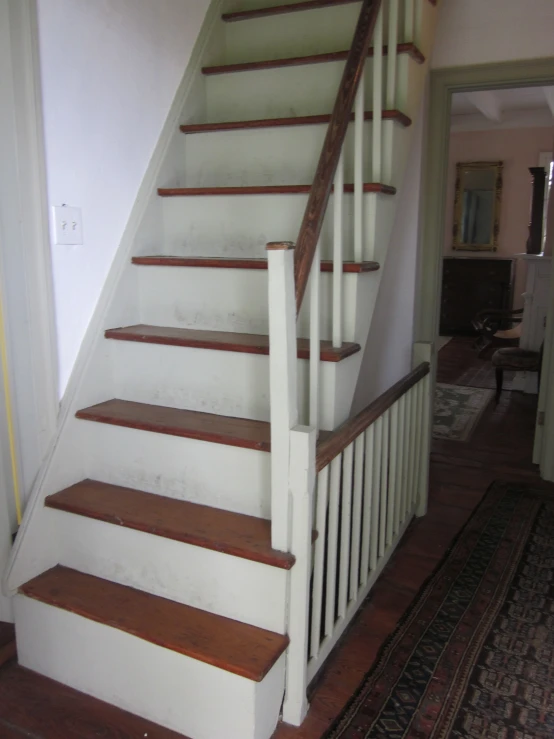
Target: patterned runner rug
458, 410
473, 658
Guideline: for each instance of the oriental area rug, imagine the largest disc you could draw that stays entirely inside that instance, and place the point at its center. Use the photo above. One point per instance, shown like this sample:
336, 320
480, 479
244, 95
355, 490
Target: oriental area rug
458, 410
473, 658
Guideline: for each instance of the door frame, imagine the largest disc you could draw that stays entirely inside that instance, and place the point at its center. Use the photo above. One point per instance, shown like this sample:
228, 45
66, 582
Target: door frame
443, 84
26, 285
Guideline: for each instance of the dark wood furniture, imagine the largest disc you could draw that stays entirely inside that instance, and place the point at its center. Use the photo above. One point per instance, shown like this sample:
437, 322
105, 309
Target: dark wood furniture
471, 285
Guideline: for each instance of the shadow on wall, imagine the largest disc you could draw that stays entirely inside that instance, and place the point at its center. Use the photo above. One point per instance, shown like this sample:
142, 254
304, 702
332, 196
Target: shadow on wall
388, 350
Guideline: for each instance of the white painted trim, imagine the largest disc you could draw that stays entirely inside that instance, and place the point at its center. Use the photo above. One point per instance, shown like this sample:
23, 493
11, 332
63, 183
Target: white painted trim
121, 261
28, 233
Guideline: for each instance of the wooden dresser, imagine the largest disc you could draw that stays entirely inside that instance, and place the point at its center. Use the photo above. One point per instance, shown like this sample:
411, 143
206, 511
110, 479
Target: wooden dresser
470, 284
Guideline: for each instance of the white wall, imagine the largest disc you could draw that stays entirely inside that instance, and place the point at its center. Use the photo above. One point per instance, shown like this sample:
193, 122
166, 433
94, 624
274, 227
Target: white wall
388, 352
484, 31
110, 71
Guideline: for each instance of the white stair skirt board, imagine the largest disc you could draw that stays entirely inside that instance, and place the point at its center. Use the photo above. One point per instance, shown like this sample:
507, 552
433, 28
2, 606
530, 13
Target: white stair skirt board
230, 586
233, 300
216, 475
181, 693
307, 89
281, 155
245, 223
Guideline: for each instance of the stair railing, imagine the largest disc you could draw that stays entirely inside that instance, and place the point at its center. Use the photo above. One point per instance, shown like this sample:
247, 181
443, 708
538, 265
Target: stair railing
291, 267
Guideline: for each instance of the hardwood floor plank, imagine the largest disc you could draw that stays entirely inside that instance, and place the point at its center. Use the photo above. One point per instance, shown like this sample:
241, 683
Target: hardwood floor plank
40, 708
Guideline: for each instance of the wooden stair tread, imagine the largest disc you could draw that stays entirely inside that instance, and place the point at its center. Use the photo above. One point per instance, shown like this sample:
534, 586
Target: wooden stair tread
241, 15
332, 56
236, 534
171, 192
306, 120
224, 341
230, 645
42, 708
241, 263
241, 432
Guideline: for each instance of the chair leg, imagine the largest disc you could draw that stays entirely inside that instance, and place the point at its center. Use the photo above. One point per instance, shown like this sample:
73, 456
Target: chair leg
499, 382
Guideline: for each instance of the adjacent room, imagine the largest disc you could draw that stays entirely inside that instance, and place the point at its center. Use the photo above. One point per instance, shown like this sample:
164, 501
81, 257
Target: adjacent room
496, 271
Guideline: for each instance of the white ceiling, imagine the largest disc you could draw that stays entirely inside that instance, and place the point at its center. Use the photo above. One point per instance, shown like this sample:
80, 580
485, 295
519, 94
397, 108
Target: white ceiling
503, 108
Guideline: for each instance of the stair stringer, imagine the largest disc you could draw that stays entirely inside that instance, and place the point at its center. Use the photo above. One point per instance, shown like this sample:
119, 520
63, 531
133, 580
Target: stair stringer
36, 546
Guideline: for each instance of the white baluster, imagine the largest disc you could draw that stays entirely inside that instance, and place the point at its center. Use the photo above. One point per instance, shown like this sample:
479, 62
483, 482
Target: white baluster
302, 480
399, 467
384, 484
315, 323
319, 558
408, 462
376, 492
359, 451
427, 414
367, 503
377, 99
338, 201
332, 544
392, 516
283, 383
423, 352
346, 524
409, 21
390, 98
359, 117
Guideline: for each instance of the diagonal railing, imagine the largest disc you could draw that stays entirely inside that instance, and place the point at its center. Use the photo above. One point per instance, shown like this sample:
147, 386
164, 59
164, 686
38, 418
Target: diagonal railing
318, 199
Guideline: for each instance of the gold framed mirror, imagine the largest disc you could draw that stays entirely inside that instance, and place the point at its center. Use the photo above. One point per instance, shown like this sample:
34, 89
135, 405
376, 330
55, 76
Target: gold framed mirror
477, 206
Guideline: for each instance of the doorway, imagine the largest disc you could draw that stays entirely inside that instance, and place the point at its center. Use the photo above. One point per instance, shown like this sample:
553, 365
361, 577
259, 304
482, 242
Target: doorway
438, 194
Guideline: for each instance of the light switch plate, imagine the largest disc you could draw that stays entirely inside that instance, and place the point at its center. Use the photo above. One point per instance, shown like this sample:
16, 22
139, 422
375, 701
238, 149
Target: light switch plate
68, 225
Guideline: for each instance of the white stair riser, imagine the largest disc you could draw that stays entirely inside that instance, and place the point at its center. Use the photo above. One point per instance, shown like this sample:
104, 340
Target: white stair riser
183, 694
242, 225
221, 382
316, 31
217, 475
298, 90
302, 33
230, 586
274, 156
232, 299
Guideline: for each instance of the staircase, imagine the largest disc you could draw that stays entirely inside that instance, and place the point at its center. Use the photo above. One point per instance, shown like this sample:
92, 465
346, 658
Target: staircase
147, 570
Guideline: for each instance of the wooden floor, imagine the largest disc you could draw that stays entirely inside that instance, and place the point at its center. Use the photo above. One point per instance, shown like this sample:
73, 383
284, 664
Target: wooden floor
461, 472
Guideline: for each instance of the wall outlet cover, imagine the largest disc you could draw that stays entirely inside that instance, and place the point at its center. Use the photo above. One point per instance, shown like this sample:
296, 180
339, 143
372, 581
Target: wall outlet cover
68, 225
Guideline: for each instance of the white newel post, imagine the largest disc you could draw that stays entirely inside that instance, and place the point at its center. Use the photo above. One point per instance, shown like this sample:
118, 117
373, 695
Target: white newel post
282, 384
302, 483
423, 352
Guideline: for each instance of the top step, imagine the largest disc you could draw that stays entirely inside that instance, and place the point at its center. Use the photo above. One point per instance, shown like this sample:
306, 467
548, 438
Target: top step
244, 15
233, 646
333, 56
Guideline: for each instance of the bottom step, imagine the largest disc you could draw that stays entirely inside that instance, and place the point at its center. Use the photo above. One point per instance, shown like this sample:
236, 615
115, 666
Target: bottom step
205, 676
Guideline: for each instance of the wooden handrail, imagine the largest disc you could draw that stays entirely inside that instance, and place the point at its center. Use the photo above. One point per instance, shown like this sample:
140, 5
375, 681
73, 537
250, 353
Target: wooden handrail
330, 154
340, 438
